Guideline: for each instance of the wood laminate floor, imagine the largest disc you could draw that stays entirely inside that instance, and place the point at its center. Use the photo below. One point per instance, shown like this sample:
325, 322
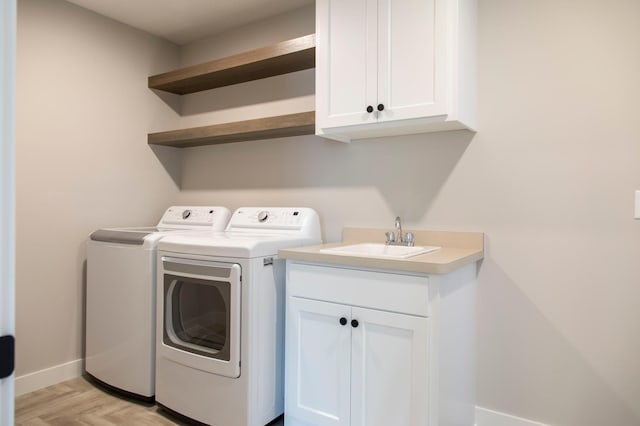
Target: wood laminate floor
79, 402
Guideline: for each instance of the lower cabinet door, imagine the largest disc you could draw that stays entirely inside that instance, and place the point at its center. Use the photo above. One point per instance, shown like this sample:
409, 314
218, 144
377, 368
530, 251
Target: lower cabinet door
389, 376
318, 363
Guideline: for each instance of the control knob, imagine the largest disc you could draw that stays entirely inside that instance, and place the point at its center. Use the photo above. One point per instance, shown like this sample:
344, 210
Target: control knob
263, 215
186, 214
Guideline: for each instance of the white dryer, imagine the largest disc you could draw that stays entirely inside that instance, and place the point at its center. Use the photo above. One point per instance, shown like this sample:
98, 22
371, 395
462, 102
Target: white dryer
120, 298
220, 317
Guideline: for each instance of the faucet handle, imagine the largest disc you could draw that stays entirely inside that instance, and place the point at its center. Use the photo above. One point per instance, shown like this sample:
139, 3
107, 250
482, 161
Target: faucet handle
390, 237
409, 236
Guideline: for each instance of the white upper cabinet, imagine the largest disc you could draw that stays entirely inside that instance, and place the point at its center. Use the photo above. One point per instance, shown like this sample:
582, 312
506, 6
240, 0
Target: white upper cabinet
390, 67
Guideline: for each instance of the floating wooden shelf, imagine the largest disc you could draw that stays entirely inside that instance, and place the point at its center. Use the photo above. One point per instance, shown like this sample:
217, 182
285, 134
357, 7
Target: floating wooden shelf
302, 123
281, 58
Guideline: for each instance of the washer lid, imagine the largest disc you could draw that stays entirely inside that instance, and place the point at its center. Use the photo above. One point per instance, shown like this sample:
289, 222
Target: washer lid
122, 236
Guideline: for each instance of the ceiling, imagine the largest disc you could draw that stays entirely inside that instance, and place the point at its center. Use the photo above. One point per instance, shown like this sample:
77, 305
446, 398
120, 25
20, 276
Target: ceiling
184, 21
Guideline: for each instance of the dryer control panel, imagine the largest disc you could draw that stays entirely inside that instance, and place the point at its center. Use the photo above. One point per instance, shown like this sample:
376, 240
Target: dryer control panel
295, 220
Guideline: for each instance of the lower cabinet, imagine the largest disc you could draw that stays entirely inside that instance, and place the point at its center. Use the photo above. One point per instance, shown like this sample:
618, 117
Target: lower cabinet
378, 348
317, 363
355, 366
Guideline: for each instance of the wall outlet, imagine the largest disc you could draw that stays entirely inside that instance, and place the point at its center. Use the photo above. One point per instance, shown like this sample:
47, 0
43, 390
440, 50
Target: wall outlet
637, 216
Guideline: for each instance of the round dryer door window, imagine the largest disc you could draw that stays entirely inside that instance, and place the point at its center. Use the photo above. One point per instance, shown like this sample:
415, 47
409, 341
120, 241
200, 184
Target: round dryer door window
199, 316
202, 314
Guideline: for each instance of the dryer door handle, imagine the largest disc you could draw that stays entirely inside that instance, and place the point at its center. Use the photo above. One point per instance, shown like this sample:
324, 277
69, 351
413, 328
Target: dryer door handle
192, 267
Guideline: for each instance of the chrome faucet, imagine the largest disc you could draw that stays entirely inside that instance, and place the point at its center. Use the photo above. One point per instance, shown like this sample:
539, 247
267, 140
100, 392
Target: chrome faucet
399, 229
401, 239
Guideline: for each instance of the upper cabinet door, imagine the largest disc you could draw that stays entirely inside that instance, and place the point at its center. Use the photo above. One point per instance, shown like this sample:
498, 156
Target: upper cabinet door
411, 59
346, 61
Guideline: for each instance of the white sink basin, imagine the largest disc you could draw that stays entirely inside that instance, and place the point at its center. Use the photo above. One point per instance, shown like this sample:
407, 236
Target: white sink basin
379, 250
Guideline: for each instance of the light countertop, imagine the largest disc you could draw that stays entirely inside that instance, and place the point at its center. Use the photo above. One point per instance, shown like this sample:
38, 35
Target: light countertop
457, 249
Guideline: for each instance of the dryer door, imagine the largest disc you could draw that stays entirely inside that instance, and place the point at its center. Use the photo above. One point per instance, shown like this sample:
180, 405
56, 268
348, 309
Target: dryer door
201, 320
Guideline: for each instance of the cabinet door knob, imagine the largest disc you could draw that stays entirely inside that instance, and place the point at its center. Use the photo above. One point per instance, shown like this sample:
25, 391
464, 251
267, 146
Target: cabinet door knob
369, 109
343, 321
380, 107
354, 323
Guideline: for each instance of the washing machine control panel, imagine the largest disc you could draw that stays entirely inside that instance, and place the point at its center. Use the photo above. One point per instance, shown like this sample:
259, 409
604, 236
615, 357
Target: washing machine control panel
194, 216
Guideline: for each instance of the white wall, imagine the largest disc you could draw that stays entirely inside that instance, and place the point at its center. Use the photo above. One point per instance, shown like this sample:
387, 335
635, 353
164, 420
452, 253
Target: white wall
549, 177
559, 324
83, 112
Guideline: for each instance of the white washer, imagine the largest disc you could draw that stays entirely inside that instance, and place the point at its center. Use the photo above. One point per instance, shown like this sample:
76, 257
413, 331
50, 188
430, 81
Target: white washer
120, 300
220, 317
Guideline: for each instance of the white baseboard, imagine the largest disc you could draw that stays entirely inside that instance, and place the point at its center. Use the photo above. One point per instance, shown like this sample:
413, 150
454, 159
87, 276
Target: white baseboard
486, 417
49, 376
